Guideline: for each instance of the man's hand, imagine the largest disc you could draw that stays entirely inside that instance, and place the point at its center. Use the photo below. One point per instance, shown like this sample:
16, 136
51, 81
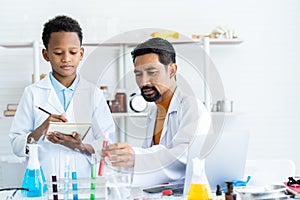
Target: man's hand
120, 154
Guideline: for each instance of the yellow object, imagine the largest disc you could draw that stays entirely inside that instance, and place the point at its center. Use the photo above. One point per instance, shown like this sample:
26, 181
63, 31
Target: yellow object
198, 192
165, 34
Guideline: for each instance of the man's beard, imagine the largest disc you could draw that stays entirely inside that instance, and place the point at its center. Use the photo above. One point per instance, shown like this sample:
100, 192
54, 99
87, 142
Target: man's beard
153, 97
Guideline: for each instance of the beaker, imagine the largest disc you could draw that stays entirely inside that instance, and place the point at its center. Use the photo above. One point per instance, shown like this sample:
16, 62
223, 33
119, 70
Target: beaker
34, 179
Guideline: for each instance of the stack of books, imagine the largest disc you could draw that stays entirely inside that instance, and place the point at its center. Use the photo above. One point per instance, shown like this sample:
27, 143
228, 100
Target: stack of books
10, 110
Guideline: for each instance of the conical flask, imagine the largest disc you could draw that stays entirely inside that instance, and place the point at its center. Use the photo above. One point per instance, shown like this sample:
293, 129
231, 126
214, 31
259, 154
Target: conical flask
199, 188
34, 178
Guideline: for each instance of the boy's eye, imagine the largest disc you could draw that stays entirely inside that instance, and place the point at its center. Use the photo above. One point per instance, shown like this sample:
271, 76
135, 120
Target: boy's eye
73, 52
58, 53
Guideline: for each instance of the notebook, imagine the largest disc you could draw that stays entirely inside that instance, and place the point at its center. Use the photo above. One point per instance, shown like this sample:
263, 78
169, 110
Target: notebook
226, 161
68, 127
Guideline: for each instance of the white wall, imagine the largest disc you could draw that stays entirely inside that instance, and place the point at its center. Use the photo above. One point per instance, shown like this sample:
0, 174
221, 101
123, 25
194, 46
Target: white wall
260, 75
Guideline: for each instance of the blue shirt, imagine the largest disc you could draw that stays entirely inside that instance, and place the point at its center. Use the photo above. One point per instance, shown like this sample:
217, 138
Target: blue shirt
64, 94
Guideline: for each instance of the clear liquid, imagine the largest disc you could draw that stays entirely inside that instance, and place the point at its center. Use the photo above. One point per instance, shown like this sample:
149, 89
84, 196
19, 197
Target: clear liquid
34, 180
118, 191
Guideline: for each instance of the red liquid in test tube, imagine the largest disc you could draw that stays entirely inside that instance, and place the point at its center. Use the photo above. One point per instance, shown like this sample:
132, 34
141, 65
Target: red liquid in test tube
101, 166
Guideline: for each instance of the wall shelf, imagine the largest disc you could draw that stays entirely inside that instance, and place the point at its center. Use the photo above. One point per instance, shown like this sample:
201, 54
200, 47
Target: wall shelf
224, 113
16, 44
212, 41
118, 115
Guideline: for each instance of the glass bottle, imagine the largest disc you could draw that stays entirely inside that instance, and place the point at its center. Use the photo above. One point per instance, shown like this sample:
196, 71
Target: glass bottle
34, 178
121, 97
229, 195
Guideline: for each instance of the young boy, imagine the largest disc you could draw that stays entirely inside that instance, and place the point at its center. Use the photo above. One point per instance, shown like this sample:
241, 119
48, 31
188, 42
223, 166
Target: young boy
68, 98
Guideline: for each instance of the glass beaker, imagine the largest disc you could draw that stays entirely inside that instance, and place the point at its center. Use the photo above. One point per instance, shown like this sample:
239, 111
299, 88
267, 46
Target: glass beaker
34, 179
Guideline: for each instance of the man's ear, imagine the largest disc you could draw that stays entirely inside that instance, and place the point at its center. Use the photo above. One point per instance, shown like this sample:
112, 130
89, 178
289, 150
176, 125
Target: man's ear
172, 70
45, 55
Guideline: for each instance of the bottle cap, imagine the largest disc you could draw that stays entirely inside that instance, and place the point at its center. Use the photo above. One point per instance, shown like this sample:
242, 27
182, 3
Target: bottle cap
103, 87
219, 191
167, 192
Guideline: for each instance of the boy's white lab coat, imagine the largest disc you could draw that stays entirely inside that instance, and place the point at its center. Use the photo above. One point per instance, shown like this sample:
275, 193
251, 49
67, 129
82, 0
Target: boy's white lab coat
87, 105
166, 162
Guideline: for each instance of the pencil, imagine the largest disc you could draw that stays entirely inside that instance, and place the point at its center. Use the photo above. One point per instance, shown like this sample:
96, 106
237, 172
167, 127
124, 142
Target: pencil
45, 111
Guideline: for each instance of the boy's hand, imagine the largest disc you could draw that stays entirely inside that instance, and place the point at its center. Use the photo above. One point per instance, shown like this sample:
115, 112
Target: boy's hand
41, 130
71, 141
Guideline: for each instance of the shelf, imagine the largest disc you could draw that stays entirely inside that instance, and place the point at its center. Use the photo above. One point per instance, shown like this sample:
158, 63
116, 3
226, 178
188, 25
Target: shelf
3, 117
16, 44
127, 43
226, 41
173, 41
224, 113
117, 115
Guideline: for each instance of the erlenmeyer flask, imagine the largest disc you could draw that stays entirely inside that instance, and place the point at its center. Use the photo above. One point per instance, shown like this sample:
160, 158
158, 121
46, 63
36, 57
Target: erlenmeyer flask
34, 178
199, 188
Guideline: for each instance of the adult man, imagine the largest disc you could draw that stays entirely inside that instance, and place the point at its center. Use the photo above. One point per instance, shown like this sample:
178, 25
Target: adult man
171, 125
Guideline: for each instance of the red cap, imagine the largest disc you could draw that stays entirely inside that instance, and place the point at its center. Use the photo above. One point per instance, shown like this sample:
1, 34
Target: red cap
167, 192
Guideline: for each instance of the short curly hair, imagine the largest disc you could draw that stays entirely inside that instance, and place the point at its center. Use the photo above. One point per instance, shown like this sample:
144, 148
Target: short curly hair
58, 24
162, 47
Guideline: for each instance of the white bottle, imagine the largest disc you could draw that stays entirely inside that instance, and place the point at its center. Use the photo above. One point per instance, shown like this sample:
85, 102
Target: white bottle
106, 94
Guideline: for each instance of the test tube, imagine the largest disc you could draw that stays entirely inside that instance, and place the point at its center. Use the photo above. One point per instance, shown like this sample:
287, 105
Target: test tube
54, 180
93, 177
74, 179
101, 166
66, 179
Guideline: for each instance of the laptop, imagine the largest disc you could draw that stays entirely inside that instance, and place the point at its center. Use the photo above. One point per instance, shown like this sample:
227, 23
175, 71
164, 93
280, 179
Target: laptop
225, 161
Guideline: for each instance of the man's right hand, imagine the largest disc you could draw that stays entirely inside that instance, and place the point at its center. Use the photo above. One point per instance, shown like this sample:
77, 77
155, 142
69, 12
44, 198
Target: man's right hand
120, 154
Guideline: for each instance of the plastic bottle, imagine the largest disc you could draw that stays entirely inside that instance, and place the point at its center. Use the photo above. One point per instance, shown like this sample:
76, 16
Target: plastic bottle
106, 94
34, 178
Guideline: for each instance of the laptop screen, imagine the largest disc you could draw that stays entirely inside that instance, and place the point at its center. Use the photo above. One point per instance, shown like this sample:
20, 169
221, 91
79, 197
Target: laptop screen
226, 161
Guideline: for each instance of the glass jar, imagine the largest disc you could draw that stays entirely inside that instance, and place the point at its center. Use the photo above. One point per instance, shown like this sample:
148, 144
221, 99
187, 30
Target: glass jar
121, 97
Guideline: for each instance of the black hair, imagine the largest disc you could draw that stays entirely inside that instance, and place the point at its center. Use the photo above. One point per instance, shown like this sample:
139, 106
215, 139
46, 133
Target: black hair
58, 24
162, 47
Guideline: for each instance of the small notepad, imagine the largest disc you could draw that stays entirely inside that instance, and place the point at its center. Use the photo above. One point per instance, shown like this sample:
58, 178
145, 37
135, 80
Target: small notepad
68, 128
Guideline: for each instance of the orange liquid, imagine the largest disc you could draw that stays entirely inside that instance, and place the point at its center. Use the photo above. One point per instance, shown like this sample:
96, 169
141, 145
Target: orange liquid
198, 192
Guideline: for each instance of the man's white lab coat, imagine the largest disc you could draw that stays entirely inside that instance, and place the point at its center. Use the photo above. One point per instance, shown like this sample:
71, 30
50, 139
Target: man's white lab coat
166, 162
87, 105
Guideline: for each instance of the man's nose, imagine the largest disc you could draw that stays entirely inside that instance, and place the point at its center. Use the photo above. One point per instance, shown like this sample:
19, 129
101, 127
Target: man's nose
145, 80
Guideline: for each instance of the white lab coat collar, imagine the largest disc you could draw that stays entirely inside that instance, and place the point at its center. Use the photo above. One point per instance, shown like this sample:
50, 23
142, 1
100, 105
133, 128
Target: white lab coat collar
173, 107
53, 100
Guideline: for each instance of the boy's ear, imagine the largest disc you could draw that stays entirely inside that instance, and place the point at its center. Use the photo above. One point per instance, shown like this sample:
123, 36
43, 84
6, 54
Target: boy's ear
45, 55
81, 53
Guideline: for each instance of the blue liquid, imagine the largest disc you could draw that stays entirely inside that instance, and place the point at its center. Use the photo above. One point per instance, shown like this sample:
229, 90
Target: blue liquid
34, 180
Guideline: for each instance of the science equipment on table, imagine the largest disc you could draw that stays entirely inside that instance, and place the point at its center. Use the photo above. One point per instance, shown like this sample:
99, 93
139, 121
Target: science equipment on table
34, 178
